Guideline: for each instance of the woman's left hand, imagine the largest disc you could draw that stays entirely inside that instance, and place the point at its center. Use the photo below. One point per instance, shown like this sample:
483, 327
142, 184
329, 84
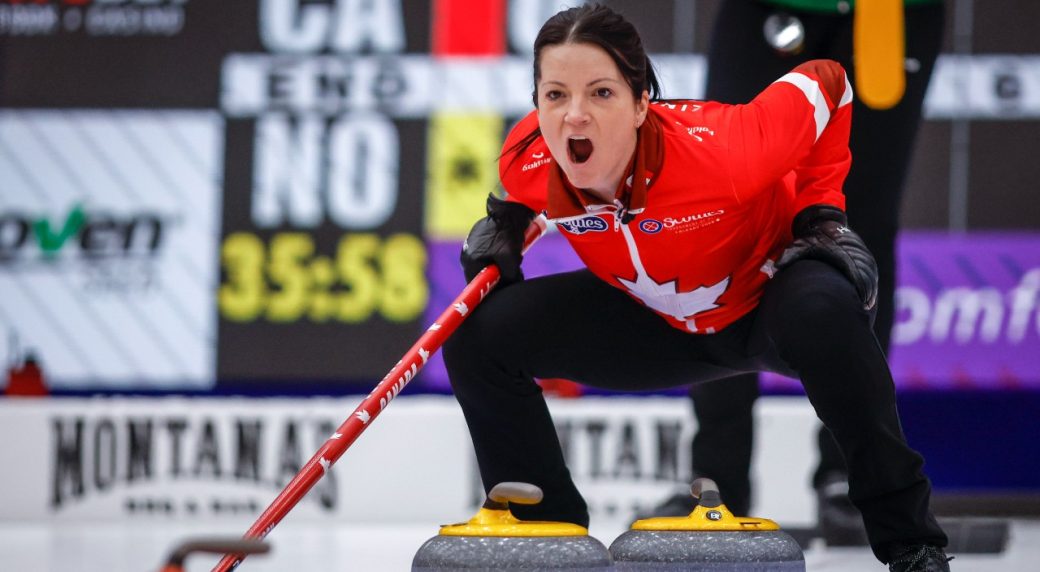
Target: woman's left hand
822, 233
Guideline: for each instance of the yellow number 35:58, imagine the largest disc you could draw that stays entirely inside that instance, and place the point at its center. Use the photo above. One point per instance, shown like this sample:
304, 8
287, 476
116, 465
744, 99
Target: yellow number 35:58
287, 282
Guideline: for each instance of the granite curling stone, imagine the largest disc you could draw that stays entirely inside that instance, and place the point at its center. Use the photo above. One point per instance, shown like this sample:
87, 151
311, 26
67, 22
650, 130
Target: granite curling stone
495, 540
709, 539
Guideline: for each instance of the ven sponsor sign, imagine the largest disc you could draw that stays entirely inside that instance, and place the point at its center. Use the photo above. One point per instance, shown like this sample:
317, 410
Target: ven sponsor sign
107, 245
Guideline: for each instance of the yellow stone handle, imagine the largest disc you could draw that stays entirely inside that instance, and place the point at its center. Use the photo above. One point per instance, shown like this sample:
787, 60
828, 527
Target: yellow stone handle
495, 519
709, 515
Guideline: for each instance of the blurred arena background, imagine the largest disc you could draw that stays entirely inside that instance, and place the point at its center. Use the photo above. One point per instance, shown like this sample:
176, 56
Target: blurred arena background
221, 224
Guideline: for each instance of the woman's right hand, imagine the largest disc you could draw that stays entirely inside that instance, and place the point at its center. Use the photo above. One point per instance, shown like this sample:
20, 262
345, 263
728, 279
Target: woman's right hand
497, 239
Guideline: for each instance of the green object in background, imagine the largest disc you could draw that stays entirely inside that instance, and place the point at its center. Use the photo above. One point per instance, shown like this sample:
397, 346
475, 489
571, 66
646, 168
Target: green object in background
831, 6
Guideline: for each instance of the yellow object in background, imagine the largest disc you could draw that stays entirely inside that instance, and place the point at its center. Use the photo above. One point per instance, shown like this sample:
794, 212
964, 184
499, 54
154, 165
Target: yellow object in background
462, 169
879, 51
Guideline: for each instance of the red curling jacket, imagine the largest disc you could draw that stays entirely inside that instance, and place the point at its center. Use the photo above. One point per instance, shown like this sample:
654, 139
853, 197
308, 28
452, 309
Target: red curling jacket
696, 228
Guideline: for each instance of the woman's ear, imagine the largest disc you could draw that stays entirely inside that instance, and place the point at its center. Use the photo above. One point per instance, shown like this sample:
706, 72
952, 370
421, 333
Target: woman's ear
641, 108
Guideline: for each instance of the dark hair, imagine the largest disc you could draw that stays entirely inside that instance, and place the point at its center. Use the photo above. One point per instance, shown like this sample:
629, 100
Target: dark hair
600, 26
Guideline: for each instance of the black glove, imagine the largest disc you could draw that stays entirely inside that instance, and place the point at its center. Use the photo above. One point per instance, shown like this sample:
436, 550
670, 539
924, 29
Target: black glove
497, 239
821, 233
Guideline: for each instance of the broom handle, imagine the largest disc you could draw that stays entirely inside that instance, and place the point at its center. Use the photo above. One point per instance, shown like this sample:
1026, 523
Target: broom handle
378, 399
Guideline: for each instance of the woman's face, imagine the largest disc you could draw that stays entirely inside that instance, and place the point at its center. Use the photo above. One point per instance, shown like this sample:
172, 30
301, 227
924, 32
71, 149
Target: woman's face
588, 115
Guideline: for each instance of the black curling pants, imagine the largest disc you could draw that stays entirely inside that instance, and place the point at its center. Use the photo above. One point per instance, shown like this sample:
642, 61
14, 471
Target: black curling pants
740, 65
809, 323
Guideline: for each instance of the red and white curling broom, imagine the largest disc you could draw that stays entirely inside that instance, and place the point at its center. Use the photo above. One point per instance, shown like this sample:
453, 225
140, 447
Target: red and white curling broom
378, 399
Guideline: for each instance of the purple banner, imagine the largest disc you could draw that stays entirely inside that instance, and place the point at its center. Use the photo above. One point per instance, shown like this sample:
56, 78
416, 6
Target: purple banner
967, 308
967, 311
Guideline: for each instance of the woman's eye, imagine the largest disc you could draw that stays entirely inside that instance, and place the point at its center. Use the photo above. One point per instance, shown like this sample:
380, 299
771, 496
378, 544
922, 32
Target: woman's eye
604, 92
553, 95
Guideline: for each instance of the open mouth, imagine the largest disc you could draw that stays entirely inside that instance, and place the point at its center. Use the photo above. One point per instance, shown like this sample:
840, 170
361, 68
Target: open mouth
579, 148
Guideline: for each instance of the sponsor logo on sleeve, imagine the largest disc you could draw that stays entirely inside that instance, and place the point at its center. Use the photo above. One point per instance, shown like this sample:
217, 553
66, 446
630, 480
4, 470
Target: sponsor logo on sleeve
537, 160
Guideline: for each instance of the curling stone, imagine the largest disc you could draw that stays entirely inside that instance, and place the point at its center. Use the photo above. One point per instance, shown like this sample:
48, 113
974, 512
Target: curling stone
709, 539
494, 540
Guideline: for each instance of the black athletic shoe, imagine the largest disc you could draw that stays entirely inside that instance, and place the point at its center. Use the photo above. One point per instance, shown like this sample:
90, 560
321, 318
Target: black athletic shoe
679, 504
921, 558
839, 521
